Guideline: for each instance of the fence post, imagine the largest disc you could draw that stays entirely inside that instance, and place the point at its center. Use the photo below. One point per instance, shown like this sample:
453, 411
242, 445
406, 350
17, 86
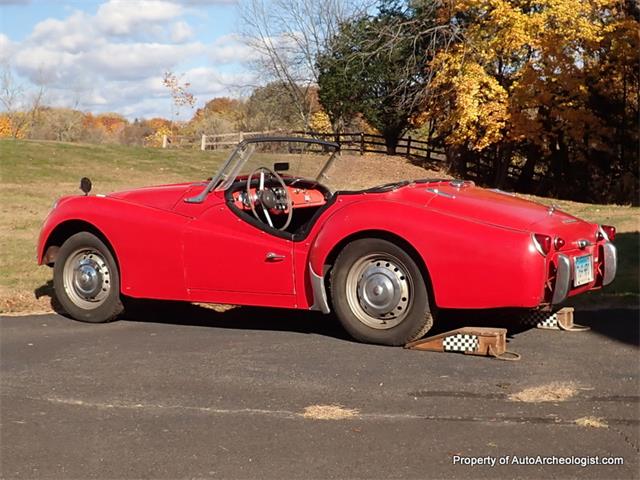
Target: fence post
361, 143
409, 146
240, 137
429, 139
203, 142
164, 141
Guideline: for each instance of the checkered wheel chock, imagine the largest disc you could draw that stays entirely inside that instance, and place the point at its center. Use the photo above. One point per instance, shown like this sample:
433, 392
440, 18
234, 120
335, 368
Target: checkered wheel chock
541, 319
460, 343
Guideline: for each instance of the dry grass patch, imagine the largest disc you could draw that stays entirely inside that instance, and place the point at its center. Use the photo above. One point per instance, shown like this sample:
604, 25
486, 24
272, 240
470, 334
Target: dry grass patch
329, 412
552, 392
591, 422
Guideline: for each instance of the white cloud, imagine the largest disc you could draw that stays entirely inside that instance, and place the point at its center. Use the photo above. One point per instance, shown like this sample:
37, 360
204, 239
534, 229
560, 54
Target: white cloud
113, 60
6, 48
181, 32
124, 17
230, 49
74, 34
137, 60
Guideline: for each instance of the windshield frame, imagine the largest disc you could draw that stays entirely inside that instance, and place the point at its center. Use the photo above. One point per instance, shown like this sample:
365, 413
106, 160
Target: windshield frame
229, 170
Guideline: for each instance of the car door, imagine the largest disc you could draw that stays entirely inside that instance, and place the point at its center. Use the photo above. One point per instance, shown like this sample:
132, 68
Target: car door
225, 254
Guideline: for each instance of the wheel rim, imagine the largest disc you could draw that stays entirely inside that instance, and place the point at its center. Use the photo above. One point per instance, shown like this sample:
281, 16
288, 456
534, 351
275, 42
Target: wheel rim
379, 290
87, 279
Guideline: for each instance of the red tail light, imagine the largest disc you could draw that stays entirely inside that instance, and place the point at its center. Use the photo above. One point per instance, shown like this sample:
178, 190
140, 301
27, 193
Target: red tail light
558, 243
609, 231
542, 243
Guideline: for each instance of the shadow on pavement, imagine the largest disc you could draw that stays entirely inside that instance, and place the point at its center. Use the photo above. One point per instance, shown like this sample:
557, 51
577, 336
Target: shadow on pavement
622, 325
238, 318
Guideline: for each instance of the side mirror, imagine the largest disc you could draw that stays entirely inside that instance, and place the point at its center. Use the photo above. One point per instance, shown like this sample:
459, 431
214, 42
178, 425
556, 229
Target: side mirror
85, 185
281, 166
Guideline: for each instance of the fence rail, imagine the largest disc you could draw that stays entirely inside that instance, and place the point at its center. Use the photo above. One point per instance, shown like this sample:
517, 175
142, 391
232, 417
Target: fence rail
212, 141
362, 143
359, 142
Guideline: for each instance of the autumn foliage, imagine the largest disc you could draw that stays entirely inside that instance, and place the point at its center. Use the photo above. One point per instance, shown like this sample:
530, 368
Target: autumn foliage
549, 85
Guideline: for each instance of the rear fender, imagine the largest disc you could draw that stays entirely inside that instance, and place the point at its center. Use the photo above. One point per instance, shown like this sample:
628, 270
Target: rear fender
470, 264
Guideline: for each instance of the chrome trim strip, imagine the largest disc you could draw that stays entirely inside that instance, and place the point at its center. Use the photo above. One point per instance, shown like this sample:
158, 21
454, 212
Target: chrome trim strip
438, 192
320, 301
497, 190
563, 279
610, 263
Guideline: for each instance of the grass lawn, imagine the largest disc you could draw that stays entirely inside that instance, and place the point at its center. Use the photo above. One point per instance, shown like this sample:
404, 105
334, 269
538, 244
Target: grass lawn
34, 174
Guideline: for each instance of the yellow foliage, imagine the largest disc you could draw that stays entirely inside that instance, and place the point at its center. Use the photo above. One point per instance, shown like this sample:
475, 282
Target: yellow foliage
7, 130
155, 139
320, 122
523, 69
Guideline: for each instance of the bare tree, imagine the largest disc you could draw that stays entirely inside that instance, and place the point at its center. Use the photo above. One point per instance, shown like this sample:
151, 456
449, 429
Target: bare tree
21, 105
287, 36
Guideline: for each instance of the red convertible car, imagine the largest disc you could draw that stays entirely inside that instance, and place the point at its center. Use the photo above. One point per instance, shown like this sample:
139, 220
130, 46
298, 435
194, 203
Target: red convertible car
267, 230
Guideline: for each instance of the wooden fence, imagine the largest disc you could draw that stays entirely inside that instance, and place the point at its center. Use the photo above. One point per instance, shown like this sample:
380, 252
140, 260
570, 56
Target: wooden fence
362, 143
372, 143
209, 141
349, 142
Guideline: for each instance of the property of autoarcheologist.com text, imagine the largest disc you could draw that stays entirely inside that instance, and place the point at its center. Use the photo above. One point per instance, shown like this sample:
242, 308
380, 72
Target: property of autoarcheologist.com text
582, 461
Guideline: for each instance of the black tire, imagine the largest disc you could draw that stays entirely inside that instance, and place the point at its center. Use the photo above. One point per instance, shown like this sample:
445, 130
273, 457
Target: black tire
380, 260
102, 303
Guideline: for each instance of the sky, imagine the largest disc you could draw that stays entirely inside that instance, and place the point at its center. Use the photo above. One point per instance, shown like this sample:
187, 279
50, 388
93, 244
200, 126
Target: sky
110, 55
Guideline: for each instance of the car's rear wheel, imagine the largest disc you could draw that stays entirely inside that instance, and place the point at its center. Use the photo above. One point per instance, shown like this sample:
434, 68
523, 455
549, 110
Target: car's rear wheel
379, 294
86, 279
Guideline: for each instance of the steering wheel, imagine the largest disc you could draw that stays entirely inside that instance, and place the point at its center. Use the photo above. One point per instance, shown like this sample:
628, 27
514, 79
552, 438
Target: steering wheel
268, 198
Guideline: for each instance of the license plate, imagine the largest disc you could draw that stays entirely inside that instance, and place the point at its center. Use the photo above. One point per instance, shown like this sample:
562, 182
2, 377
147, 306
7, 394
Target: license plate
583, 270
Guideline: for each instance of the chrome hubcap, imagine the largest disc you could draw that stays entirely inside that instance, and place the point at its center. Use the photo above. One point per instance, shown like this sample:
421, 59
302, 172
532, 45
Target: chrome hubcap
379, 291
87, 279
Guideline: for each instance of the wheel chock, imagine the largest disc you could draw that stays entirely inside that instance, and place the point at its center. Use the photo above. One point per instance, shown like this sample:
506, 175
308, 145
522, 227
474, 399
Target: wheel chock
559, 320
484, 341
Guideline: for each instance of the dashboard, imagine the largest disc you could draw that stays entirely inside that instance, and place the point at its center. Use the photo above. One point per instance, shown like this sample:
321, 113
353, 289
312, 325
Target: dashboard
300, 197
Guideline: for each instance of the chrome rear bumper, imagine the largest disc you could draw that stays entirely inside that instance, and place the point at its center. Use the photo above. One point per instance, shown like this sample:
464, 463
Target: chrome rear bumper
564, 272
610, 263
563, 279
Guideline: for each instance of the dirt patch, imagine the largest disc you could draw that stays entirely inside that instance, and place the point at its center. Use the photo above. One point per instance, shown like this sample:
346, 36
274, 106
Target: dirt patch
552, 392
329, 412
591, 422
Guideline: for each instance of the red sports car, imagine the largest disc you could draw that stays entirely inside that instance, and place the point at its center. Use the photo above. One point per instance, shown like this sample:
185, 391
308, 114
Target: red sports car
267, 230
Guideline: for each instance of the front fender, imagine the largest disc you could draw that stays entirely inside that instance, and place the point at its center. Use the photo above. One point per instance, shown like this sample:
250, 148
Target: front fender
470, 264
146, 242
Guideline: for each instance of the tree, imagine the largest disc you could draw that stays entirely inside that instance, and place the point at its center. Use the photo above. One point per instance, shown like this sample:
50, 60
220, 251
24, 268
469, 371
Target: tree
219, 115
379, 66
180, 95
551, 82
272, 108
21, 105
287, 36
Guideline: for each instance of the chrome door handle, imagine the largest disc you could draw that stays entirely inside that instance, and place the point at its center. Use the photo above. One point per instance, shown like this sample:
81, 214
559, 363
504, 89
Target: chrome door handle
274, 257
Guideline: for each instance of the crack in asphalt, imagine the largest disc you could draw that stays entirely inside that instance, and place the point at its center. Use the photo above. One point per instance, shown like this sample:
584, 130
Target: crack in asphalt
288, 414
505, 396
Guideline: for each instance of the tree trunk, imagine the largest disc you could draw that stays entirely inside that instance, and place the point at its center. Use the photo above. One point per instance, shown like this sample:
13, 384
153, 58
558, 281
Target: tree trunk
391, 141
525, 181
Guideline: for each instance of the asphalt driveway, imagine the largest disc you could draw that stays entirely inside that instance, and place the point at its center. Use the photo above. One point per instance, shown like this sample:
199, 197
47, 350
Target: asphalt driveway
186, 392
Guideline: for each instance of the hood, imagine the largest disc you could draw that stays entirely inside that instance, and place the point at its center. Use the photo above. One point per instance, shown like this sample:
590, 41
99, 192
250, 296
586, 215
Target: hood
163, 197
492, 207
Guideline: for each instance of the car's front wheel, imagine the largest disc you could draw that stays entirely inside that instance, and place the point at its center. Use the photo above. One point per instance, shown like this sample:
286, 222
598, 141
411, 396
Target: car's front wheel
86, 279
379, 294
